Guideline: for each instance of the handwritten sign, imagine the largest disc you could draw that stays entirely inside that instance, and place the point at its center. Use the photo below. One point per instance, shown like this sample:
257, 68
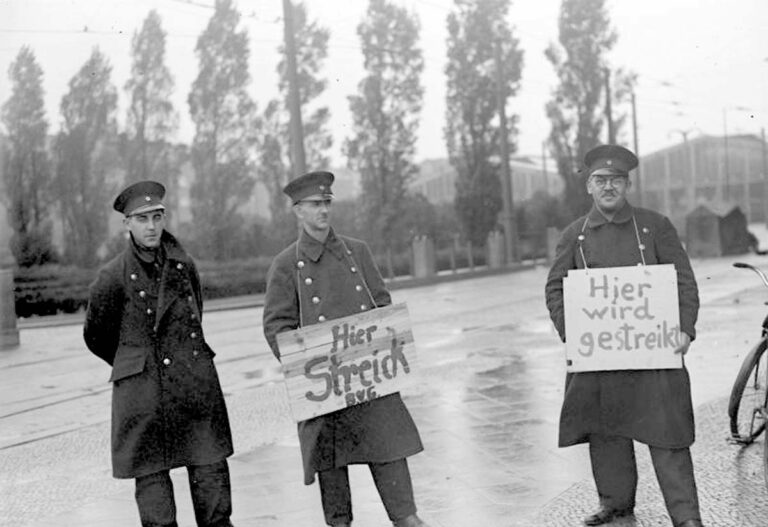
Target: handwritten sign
347, 361
622, 318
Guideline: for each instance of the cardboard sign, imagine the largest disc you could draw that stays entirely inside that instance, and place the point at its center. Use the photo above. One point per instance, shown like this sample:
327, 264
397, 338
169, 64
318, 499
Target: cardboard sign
347, 361
622, 318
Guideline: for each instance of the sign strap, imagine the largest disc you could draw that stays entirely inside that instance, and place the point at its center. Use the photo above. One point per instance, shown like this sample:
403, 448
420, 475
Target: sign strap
640, 244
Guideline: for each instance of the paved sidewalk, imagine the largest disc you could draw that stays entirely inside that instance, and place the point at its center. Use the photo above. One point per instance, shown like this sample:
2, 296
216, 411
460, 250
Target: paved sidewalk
732, 489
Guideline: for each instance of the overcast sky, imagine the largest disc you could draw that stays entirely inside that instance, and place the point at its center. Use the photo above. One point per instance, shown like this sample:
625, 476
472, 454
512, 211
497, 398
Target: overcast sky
696, 59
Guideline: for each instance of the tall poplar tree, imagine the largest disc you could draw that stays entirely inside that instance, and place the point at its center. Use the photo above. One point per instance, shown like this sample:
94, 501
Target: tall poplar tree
26, 167
225, 132
575, 110
478, 34
385, 115
85, 158
151, 117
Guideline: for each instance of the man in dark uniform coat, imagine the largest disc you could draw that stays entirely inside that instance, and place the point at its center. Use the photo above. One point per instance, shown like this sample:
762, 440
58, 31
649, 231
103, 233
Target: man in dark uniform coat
144, 319
320, 277
610, 409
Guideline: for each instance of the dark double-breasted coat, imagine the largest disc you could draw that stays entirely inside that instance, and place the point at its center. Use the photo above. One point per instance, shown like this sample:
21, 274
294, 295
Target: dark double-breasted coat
650, 406
310, 282
144, 318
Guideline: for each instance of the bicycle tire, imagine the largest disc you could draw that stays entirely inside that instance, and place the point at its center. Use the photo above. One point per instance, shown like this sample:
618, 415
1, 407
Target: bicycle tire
765, 460
748, 396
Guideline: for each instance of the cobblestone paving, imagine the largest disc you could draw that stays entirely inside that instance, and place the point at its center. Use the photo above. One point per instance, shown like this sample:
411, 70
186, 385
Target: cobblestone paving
732, 490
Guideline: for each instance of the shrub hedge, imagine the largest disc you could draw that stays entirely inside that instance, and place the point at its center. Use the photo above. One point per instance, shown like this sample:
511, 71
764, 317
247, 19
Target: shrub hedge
51, 289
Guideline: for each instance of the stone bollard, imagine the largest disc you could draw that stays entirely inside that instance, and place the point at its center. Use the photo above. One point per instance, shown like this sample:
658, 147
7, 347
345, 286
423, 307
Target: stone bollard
553, 236
9, 332
496, 250
423, 257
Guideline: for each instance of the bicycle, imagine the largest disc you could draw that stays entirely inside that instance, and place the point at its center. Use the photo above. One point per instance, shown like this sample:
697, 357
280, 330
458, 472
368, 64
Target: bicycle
748, 405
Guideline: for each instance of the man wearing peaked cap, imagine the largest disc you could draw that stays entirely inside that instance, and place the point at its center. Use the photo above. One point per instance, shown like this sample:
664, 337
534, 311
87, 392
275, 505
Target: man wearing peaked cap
313, 183
144, 319
610, 160
611, 409
324, 276
141, 197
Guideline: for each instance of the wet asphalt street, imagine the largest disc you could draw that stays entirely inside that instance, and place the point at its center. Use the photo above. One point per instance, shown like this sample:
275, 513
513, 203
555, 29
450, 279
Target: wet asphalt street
487, 407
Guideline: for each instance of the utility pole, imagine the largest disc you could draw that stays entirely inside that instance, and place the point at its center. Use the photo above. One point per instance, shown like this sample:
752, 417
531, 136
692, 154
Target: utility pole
765, 178
727, 193
691, 165
637, 151
298, 159
544, 165
508, 220
608, 111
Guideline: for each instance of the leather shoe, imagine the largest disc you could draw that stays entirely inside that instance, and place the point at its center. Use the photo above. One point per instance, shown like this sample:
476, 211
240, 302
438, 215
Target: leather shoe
606, 515
410, 521
691, 523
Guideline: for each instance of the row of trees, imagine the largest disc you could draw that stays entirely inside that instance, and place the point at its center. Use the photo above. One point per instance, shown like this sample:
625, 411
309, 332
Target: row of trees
237, 143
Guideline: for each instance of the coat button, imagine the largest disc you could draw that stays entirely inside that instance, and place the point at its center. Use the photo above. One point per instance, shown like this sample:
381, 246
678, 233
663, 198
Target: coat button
308, 281
321, 318
641, 246
363, 307
300, 264
358, 287
195, 353
134, 276
149, 311
189, 299
315, 299
353, 269
179, 266
167, 361
349, 251
193, 335
142, 294
580, 237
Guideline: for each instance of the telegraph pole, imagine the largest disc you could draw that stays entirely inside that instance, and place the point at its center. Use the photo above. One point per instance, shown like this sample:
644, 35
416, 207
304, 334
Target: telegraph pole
727, 192
508, 220
765, 178
544, 165
298, 159
608, 111
637, 150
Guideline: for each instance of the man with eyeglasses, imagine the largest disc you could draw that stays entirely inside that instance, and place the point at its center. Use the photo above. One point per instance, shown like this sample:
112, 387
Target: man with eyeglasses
144, 319
323, 276
611, 409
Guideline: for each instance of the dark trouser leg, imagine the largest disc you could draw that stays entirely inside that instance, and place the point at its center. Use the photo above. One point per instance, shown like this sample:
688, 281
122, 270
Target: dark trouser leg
614, 470
154, 496
211, 494
674, 470
393, 480
335, 495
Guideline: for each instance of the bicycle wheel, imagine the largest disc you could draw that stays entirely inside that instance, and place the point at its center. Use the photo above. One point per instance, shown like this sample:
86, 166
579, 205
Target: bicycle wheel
749, 396
765, 459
